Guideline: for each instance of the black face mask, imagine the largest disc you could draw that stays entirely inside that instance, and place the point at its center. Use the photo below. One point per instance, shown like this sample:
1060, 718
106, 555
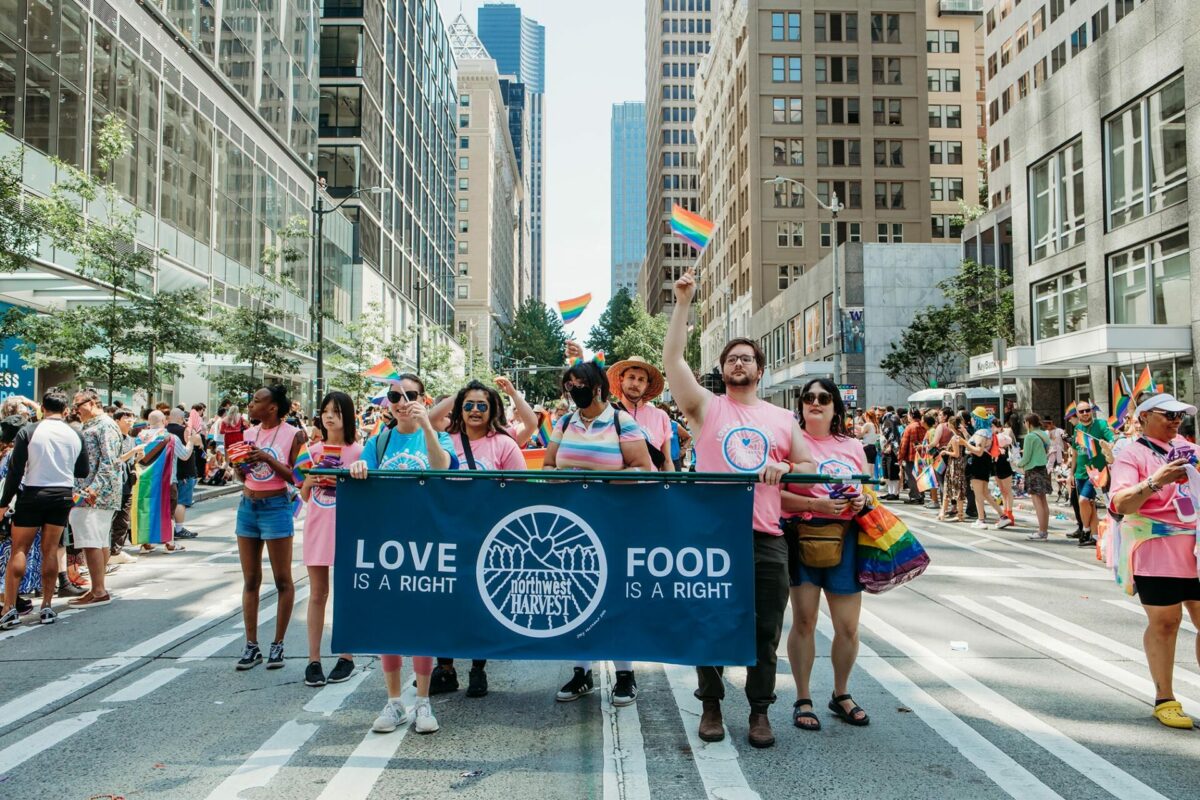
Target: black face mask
581, 395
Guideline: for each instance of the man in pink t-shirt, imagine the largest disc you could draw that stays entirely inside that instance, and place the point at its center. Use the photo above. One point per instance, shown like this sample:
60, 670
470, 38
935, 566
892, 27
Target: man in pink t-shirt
635, 382
737, 432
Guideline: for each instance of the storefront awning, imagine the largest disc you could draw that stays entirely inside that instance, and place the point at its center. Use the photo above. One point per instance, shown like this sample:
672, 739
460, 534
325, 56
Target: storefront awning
1022, 362
1114, 345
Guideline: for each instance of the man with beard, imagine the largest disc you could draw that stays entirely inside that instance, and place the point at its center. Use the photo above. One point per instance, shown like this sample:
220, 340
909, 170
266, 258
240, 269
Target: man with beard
768, 443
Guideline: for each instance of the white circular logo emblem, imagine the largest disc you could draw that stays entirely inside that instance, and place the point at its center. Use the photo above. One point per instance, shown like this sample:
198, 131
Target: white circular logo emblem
541, 571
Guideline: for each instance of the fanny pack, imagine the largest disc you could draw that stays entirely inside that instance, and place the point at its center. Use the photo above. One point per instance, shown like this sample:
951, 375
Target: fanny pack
817, 542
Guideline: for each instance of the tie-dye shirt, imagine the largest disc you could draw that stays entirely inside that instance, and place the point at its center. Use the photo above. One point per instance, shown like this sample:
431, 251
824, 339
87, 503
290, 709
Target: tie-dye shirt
596, 446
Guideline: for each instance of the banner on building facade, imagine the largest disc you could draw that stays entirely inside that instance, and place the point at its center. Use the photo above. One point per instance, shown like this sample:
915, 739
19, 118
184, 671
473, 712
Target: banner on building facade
483, 568
854, 330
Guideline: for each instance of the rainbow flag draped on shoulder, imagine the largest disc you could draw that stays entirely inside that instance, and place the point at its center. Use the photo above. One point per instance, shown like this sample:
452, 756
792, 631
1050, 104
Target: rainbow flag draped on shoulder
150, 519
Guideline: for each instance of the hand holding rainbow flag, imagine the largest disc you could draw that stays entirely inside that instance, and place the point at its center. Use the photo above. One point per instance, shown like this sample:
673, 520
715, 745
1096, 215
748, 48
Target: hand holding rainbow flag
573, 308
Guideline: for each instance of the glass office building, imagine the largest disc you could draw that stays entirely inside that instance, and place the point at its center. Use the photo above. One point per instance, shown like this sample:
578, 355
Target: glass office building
628, 195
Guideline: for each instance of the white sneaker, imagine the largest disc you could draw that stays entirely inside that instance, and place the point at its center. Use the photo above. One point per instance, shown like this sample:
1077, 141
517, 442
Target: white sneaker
980, 525
1004, 522
1038, 537
394, 715
425, 722
122, 558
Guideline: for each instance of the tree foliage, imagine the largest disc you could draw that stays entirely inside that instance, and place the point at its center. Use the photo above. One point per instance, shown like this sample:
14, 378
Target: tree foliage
535, 337
691, 352
618, 315
364, 342
642, 337
19, 222
442, 372
921, 355
975, 313
250, 333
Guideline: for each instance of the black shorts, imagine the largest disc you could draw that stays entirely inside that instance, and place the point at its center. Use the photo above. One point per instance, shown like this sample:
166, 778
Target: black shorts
979, 468
1157, 591
1002, 467
43, 505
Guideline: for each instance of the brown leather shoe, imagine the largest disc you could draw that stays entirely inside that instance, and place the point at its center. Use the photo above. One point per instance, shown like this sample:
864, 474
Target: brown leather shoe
712, 724
761, 734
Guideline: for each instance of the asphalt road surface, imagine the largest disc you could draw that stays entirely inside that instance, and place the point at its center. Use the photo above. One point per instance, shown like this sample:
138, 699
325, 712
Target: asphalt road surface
1010, 669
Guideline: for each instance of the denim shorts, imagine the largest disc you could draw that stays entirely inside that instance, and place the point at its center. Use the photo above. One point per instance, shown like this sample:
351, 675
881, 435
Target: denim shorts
842, 579
268, 518
187, 486
1087, 491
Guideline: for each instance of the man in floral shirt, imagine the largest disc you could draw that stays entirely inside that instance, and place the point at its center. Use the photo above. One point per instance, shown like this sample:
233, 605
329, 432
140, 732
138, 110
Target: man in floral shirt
98, 496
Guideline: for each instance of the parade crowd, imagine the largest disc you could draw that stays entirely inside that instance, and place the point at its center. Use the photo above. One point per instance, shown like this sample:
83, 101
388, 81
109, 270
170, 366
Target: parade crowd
82, 488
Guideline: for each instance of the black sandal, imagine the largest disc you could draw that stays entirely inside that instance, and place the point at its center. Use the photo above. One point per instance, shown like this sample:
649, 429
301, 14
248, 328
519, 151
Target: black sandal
835, 705
798, 715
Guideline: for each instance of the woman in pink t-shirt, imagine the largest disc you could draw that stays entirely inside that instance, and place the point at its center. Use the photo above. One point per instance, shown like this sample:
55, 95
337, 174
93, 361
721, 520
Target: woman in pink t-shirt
836, 454
1154, 551
338, 445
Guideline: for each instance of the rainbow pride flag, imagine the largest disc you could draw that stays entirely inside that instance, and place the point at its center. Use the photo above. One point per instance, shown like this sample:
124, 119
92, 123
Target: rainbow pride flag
150, 520
1070, 412
1144, 383
692, 228
303, 463
383, 371
544, 430
1087, 443
534, 459
927, 479
1120, 405
571, 309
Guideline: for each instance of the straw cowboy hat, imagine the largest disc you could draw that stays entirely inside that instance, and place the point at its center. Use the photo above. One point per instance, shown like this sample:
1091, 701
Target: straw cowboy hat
653, 389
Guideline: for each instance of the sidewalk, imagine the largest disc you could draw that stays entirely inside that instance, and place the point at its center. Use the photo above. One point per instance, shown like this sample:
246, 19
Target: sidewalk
203, 492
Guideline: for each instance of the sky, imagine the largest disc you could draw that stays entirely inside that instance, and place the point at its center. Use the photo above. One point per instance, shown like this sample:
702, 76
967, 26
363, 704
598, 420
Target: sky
594, 57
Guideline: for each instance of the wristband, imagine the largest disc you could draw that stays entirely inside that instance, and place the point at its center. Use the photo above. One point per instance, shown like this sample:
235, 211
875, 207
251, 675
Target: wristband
1151, 486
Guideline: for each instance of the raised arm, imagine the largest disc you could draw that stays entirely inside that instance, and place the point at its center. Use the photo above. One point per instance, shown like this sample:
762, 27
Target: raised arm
525, 416
691, 397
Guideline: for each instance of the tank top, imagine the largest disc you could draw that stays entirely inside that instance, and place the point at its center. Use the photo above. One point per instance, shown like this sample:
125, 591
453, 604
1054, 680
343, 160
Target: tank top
277, 442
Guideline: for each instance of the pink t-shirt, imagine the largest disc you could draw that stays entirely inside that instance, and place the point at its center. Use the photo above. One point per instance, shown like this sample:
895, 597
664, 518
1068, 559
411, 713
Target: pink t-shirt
276, 441
746, 438
494, 451
655, 422
320, 521
836, 457
1168, 556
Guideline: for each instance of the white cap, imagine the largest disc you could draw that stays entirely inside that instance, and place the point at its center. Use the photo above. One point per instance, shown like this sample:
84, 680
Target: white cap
1164, 402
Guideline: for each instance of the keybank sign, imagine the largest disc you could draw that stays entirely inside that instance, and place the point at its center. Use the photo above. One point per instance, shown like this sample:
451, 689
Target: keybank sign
484, 569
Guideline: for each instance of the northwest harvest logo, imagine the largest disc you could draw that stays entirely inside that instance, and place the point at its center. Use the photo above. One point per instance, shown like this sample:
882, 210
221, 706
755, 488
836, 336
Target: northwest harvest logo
745, 449
541, 571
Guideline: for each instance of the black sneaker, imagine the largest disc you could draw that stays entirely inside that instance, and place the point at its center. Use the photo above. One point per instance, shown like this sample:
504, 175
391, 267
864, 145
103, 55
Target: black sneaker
251, 657
1088, 542
11, 619
478, 685
1076, 534
341, 671
68, 589
443, 680
184, 533
625, 691
313, 674
24, 605
275, 659
577, 687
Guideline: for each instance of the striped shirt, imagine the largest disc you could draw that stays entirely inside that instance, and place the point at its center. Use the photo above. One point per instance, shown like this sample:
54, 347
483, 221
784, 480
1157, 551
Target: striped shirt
596, 446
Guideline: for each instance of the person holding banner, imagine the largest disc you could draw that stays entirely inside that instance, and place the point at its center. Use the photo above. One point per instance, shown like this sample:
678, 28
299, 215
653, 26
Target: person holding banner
411, 444
338, 445
597, 436
738, 432
826, 561
479, 430
264, 516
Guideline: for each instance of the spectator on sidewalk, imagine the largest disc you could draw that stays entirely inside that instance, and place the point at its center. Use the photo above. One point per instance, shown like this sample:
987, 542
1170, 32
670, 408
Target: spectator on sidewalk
98, 493
914, 434
186, 474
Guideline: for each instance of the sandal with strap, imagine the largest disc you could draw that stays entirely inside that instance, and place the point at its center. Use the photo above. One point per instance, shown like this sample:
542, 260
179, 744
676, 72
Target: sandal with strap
1170, 713
798, 715
835, 705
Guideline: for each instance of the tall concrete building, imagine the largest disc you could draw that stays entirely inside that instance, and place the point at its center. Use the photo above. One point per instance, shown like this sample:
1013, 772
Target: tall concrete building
518, 43
797, 102
515, 100
1090, 102
628, 195
221, 105
388, 100
677, 37
486, 291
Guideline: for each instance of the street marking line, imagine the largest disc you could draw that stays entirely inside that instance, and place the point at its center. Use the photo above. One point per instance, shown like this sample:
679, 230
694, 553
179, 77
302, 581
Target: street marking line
1006, 773
1136, 608
359, 773
1090, 636
625, 776
145, 685
32, 625
17, 754
330, 698
1103, 773
231, 551
268, 614
1057, 647
210, 647
1040, 550
264, 764
1032, 573
717, 762
966, 546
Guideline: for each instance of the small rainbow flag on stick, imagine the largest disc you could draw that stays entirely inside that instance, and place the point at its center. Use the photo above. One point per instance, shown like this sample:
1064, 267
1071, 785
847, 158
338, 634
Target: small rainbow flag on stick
693, 228
1087, 443
1144, 383
571, 309
303, 463
1120, 406
1070, 413
383, 371
545, 429
150, 520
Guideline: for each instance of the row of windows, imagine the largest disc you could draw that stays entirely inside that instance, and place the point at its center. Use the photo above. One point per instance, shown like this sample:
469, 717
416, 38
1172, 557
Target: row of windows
944, 80
889, 195
677, 114
687, 26
703, 6
674, 47
835, 27
673, 91
673, 69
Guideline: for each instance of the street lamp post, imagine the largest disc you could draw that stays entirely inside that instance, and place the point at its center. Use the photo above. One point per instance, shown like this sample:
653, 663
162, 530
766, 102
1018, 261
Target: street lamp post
834, 207
319, 211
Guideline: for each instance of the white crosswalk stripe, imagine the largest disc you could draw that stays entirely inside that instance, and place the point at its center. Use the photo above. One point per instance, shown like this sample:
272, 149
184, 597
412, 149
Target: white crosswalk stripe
624, 750
265, 763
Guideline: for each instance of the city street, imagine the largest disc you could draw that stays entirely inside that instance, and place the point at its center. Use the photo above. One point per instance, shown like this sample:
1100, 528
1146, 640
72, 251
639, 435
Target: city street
1010, 669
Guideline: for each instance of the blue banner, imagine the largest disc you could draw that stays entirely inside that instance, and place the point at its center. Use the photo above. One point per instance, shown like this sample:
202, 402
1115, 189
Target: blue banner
483, 568
16, 377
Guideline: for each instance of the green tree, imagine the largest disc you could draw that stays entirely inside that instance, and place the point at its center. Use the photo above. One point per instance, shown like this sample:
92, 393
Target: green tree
535, 337
975, 311
252, 334
19, 222
642, 337
364, 342
691, 352
170, 322
444, 374
921, 355
617, 316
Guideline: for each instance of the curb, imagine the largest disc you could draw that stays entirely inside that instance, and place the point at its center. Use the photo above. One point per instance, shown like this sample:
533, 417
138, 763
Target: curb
216, 491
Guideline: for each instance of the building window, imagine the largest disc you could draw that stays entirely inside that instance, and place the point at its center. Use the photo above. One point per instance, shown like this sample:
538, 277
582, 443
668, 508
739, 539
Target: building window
885, 71
463, 204
933, 41
839, 153
1060, 305
1121, 8
464, 184
886, 28
889, 195
795, 111
1058, 58
1146, 155
835, 27
846, 232
1099, 23
464, 162
933, 77
462, 246
462, 291
946, 226
790, 234
889, 153
954, 152
849, 193
464, 100
886, 111
1056, 210
936, 189
464, 226
950, 41
936, 150
1079, 40
796, 152
789, 195
777, 26
778, 69
837, 69
889, 233
837, 111
1163, 265
462, 267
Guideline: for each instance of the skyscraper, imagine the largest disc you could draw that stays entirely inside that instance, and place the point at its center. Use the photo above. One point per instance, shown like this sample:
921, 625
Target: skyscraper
628, 197
518, 43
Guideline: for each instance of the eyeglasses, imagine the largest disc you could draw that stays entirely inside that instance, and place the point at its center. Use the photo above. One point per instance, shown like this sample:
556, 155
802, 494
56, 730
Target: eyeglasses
817, 398
742, 359
475, 405
1083, 410
81, 404
1172, 416
396, 397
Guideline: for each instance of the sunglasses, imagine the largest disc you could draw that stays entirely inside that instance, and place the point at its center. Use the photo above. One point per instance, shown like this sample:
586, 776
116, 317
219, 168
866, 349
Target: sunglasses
1172, 416
817, 398
396, 397
475, 405
1083, 411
